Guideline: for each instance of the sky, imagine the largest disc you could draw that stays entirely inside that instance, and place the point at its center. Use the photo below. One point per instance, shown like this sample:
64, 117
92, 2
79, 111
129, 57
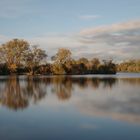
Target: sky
108, 29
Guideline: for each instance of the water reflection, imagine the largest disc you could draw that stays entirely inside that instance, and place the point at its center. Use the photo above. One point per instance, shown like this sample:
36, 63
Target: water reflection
122, 102
16, 93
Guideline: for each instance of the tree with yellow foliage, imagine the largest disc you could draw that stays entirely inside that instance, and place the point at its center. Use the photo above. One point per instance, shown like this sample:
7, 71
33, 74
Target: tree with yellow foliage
12, 53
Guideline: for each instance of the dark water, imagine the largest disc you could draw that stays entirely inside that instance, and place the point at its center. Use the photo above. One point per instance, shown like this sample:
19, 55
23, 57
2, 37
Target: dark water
78, 107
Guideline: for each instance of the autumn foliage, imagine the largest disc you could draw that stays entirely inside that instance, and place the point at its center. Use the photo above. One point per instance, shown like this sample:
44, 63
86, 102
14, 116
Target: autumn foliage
19, 57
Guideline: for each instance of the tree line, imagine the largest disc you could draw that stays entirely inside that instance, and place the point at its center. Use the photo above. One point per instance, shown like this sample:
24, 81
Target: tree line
129, 66
19, 57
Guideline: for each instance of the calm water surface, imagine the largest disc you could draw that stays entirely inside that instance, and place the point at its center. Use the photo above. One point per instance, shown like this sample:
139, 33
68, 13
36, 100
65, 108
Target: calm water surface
73, 107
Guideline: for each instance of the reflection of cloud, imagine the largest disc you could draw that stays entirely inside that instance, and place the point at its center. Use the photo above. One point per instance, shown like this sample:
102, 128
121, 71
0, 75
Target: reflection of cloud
123, 104
118, 99
89, 126
101, 97
103, 110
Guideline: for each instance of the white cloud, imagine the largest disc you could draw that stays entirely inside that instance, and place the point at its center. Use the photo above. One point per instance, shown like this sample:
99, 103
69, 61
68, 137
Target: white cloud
114, 28
52, 43
119, 41
115, 40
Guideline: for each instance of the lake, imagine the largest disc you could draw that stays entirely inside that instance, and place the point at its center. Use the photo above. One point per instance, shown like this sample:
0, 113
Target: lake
70, 107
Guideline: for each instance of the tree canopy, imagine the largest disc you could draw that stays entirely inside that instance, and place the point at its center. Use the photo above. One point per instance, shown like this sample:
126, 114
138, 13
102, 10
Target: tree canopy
17, 53
19, 57
13, 52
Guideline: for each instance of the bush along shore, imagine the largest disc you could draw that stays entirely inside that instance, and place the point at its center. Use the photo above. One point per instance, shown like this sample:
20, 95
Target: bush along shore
17, 56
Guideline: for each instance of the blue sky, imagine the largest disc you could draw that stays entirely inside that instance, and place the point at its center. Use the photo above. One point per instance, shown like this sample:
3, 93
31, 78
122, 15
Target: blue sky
53, 23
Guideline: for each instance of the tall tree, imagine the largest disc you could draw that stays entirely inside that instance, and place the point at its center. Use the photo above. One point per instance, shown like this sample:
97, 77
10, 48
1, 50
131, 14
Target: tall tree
12, 53
63, 55
83, 65
34, 57
60, 59
95, 63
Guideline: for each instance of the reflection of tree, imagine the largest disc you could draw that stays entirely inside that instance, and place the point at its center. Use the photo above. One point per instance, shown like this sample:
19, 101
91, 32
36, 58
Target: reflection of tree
81, 82
12, 96
18, 92
95, 82
17, 96
35, 88
62, 87
134, 81
109, 82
